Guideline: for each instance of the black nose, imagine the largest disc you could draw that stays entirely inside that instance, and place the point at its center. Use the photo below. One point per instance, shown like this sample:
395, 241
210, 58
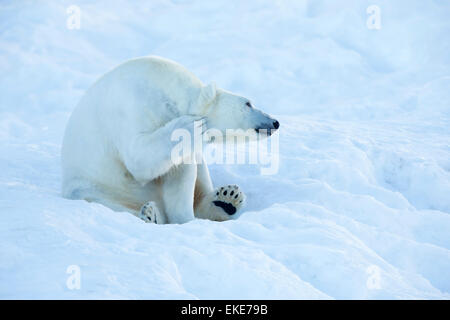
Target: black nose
276, 124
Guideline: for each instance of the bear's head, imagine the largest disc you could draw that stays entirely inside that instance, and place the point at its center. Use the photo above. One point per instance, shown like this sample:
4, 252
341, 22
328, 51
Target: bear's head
225, 110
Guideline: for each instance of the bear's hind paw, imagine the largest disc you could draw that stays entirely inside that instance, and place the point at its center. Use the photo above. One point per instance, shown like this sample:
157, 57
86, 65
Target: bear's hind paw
150, 213
230, 198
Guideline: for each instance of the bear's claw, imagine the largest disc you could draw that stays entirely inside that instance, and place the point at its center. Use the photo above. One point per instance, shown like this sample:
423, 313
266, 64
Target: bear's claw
230, 198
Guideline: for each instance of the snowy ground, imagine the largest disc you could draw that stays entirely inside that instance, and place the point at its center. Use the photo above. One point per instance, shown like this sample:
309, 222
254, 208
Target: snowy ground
360, 207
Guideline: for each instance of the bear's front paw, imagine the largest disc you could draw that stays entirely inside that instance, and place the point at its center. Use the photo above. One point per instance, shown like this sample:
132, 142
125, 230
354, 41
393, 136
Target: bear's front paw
230, 198
190, 123
150, 213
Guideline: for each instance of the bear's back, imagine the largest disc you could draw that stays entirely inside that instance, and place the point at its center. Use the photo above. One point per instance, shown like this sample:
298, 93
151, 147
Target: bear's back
154, 71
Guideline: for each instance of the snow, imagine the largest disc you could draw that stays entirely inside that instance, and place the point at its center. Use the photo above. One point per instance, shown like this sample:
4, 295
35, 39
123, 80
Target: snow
360, 206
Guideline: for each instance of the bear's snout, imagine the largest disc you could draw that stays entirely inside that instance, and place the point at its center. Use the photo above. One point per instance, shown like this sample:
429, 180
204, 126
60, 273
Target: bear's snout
270, 127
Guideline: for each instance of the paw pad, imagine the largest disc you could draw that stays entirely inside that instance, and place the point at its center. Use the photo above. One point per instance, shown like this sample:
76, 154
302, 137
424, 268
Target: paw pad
230, 198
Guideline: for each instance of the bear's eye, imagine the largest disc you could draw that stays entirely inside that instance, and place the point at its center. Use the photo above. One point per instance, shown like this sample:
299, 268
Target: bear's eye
248, 104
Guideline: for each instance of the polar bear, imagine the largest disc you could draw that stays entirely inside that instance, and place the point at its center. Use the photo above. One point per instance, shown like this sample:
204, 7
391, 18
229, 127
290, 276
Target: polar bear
117, 144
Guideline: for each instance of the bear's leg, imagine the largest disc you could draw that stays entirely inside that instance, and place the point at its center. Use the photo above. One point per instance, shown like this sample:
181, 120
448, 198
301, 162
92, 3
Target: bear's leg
221, 204
178, 193
151, 214
148, 155
203, 184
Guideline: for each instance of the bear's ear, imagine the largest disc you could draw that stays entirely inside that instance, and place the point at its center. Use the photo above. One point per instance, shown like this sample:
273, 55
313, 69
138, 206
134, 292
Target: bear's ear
207, 94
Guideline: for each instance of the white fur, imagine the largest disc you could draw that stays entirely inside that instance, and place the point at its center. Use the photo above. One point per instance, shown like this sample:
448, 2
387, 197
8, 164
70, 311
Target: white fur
117, 146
